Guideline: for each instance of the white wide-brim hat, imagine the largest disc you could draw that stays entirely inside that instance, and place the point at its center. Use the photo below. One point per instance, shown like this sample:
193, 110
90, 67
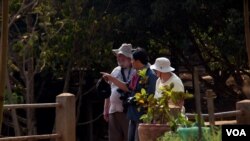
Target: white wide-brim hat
162, 64
125, 49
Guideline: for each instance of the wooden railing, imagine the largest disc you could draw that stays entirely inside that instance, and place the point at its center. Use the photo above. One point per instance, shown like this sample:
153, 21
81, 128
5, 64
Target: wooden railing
65, 119
241, 114
217, 115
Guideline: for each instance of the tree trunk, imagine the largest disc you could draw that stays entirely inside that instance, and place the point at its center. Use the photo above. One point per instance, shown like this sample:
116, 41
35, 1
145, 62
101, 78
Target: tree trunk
1, 20
79, 95
1, 85
13, 111
67, 77
30, 98
3, 54
29, 71
247, 32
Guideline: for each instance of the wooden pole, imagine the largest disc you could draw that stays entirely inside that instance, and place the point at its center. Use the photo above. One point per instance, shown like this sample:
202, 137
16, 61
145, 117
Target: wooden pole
3, 55
247, 31
65, 117
210, 96
197, 100
244, 116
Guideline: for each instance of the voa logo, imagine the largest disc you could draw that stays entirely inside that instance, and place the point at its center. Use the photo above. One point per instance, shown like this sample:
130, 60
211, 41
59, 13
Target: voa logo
236, 132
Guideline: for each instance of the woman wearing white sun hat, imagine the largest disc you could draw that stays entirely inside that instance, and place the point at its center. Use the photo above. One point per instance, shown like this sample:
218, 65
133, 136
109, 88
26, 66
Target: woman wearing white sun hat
164, 72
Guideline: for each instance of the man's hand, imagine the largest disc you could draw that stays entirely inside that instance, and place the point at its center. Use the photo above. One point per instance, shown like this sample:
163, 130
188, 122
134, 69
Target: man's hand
106, 76
106, 117
106, 109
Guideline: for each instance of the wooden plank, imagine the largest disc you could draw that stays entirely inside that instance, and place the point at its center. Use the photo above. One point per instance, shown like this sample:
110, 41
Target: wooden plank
35, 105
20, 138
223, 122
217, 115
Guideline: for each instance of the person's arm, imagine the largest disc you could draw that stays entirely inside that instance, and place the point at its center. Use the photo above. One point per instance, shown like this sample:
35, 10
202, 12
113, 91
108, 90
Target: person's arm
109, 78
106, 109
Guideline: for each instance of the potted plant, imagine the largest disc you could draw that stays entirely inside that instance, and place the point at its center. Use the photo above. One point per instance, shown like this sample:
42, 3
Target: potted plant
159, 115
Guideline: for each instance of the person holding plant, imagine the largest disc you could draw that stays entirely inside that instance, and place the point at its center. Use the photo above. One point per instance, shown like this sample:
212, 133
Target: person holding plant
166, 76
144, 78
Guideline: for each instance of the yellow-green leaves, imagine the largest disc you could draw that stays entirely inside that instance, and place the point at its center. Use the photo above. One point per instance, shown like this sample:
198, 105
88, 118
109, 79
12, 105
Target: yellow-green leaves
157, 109
141, 98
143, 76
179, 96
174, 96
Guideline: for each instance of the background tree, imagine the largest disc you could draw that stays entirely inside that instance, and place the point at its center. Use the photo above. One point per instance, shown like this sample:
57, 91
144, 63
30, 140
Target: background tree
3, 52
46, 38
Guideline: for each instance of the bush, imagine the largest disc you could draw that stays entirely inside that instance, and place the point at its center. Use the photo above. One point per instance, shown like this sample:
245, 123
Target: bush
191, 134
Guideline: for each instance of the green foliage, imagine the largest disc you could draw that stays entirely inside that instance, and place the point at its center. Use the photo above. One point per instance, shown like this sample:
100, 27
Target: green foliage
191, 134
158, 110
175, 96
82, 31
170, 136
14, 5
143, 77
13, 98
65, 32
85, 50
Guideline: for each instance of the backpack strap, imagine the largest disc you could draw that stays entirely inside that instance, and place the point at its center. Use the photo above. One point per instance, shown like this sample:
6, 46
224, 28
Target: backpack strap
123, 75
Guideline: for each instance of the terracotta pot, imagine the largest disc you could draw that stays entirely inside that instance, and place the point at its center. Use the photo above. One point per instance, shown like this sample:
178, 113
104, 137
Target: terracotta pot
150, 132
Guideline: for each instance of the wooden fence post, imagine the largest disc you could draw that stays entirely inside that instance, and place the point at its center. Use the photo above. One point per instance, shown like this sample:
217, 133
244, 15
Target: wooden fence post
210, 96
244, 116
65, 117
197, 100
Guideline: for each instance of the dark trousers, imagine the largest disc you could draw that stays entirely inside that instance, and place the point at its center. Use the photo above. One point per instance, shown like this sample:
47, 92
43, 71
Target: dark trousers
118, 127
133, 131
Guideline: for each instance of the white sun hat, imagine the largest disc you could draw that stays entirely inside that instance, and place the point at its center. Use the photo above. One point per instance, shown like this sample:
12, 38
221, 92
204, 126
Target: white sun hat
125, 49
162, 64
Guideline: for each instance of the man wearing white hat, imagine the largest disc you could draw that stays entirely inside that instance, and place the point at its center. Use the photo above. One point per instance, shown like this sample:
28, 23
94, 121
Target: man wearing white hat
113, 108
164, 72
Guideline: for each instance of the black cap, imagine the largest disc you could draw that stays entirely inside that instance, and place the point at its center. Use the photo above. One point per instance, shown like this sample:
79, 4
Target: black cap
141, 55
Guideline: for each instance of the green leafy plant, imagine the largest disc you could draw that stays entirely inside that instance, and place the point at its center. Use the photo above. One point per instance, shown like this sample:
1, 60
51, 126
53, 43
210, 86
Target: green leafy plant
144, 78
170, 136
212, 133
13, 98
158, 110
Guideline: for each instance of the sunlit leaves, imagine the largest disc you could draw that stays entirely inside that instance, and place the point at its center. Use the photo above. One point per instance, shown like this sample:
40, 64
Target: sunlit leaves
158, 110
